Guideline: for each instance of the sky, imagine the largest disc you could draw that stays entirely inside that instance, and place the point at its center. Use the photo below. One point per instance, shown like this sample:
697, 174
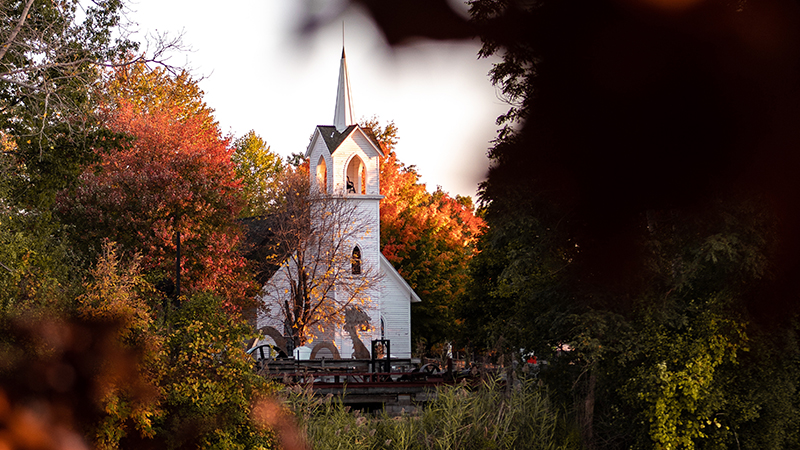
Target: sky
259, 74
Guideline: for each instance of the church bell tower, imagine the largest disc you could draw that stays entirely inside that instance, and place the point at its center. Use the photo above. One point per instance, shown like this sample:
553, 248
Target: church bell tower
344, 165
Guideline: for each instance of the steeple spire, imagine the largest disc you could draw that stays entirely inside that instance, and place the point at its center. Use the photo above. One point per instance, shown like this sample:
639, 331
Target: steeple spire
343, 116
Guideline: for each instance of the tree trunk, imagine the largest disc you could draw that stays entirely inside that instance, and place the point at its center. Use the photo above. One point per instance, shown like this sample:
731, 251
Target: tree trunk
586, 413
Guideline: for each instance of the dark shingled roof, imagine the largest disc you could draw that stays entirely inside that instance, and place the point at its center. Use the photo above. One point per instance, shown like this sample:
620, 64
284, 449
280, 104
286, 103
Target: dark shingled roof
333, 139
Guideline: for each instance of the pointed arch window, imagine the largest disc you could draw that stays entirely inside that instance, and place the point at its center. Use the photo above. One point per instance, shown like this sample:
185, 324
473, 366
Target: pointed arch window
356, 176
355, 261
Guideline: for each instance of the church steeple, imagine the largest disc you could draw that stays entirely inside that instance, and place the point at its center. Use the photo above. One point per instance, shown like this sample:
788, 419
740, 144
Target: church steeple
343, 116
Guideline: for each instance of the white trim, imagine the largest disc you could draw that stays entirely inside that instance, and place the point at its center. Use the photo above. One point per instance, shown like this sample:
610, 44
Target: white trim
317, 134
377, 148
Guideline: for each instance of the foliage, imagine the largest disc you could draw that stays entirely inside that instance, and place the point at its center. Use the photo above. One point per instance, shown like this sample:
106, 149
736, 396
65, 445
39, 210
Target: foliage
116, 294
459, 417
519, 289
172, 173
150, 90
674, 380
37, 267
209, 385
258, 168
638, 276
56, 374
51, 59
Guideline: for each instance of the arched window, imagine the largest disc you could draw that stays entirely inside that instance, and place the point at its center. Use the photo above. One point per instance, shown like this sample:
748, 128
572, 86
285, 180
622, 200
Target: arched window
356, 176
355, 261
322, 175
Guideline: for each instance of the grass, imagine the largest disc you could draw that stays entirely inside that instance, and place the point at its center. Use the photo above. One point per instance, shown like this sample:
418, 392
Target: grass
460, 418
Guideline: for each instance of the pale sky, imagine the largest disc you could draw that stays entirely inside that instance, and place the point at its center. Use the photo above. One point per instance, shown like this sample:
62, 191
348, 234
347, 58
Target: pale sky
260, 75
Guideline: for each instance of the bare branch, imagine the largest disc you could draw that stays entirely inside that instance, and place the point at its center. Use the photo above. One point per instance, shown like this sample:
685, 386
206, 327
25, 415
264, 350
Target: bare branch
14, 33
316, 284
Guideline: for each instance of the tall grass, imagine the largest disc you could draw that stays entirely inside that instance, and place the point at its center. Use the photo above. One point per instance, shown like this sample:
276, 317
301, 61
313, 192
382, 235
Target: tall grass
459, 418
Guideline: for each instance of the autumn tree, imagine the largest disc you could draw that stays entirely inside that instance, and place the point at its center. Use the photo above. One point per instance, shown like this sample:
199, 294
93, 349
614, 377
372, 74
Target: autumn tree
116, 293
259, 168
52, 56
428, 237
311, 240
169, 177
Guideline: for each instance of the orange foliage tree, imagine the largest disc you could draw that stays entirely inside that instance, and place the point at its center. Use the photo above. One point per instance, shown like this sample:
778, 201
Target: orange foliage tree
170, 173
428, 237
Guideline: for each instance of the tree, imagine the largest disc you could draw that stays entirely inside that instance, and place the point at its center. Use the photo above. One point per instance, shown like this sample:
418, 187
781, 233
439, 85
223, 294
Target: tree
52, 55
651, 281
210, 387
149, 90
170, 177
117, 293
258, 168
312, 237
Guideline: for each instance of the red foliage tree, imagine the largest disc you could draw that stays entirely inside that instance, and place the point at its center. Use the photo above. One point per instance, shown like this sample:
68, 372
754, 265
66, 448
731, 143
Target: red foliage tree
172, 173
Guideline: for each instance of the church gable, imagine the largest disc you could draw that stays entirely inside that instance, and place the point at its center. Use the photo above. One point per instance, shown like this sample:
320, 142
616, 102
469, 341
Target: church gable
333, 139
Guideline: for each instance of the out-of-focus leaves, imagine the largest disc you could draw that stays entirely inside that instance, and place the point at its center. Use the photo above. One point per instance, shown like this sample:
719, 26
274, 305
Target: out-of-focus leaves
406, 21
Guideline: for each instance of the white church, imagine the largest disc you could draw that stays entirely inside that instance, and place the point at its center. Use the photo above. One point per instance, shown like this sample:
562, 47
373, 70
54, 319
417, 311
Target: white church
344, 163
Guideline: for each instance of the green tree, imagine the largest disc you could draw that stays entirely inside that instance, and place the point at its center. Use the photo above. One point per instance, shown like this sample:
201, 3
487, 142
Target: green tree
210, 386
258, 168
52, 55
653, 284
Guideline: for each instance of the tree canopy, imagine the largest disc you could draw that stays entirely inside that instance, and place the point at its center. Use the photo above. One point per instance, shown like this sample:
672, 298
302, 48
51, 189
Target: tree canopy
170, 173
629, 220
259, 168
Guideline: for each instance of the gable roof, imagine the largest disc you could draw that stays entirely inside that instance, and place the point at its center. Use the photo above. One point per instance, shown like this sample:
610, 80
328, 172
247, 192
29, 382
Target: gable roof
333, 139
393, 273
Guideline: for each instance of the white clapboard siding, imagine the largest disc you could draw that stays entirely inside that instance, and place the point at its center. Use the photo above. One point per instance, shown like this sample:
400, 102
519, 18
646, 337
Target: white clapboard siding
396, 299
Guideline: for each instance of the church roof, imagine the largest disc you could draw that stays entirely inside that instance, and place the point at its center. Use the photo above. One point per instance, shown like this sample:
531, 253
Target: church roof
389, 270
333, 138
